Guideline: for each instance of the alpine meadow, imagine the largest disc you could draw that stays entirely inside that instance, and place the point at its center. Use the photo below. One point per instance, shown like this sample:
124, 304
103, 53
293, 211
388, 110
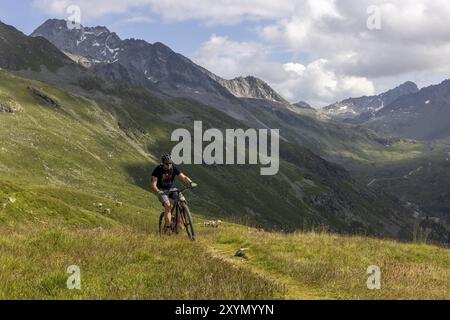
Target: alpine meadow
344, 195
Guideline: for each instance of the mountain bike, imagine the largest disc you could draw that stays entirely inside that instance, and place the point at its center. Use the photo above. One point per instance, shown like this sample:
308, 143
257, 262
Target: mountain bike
181, 215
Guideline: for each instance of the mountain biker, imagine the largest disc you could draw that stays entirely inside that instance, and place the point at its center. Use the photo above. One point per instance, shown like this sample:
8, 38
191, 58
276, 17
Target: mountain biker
162, 181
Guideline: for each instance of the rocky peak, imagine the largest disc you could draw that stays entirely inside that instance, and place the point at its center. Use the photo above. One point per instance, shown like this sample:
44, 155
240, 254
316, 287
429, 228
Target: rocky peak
422, 115
150, 65
97, 44
251, 87
402, 90
367, 106
303, 105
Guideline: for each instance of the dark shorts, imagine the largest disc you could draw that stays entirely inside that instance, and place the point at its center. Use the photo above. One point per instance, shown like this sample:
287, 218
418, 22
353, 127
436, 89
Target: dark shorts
165, 197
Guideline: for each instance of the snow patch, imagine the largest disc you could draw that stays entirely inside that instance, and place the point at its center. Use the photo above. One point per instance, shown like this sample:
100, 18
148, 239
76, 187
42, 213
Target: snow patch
82, 38
111, 50
380, 107
149, 77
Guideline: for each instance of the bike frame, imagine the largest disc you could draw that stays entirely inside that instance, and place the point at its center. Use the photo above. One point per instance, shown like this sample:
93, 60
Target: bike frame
179, 214
175, 211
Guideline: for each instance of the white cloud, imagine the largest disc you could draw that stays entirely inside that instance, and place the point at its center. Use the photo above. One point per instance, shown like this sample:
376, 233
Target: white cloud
90, 9
296, 68
414, 36
212, 12
138, 19
223, 12
315, 82
231, 59
318, 84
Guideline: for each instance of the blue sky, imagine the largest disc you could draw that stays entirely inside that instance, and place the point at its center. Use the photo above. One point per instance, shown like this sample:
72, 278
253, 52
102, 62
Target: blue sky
183, 37
320, 51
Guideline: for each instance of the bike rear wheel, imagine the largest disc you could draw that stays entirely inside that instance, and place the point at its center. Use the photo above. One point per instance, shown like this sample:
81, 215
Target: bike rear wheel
187, 219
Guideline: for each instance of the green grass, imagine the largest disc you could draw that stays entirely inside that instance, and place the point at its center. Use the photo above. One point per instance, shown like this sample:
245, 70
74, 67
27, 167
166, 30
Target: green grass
46, 230
121, 256
20, 52
118, 263
421, 179
58, 163
325, 266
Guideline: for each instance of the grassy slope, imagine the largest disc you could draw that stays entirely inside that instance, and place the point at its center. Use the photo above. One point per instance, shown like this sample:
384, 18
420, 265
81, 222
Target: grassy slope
122, 257
119, 263
422, 180
58, 162
320, 265
17, 51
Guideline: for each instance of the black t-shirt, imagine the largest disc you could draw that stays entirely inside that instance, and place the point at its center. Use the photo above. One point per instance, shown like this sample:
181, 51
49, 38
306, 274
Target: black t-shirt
165, 177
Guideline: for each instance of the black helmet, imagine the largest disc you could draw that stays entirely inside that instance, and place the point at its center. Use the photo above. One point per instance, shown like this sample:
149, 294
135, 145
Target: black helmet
166, 158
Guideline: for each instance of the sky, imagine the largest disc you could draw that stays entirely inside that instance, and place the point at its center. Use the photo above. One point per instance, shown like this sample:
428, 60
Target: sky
319, 51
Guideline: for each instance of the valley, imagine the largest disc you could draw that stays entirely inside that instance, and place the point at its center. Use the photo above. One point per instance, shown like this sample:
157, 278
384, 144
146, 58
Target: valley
79, 142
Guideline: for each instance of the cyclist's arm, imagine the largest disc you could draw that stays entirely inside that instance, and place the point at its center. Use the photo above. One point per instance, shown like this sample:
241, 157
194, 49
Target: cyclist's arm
154, 184
185, 178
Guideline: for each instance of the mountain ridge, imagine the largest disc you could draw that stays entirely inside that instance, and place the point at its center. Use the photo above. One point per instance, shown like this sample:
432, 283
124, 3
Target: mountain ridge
150, 64
423, 115
366, 106
303, 105
19, 51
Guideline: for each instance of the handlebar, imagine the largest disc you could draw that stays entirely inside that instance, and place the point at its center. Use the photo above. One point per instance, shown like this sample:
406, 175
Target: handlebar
176, 190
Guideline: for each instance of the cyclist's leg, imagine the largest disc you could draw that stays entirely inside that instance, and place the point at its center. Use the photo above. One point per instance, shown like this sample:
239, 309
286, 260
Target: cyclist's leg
164, 199
167, 212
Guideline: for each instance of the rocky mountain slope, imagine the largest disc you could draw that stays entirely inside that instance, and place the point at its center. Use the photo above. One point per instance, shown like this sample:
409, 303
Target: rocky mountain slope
150, 65
424, 115
249, 87
368, 105
303, 105
258, 105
